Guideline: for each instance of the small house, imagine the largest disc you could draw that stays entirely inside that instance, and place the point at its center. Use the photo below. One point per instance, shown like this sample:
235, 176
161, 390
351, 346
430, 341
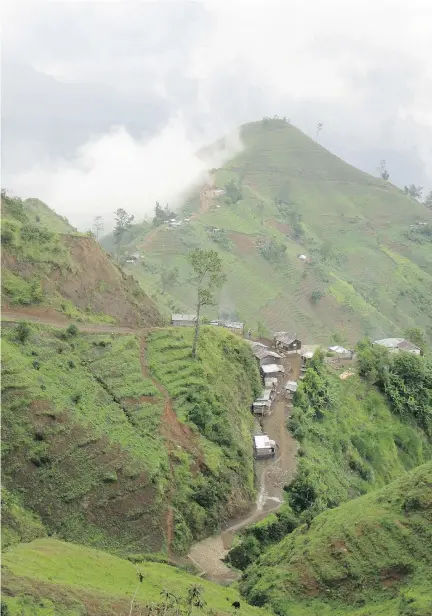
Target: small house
394, 345
287, 342
263, 354
340, 352
261, 407
302, 257
183, 320
272, 370
233, 326
263, 446
290, 387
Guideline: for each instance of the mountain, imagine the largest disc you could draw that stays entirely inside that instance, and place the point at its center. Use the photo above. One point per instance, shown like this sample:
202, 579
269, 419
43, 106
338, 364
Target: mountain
368, 265
368, 556
51, 272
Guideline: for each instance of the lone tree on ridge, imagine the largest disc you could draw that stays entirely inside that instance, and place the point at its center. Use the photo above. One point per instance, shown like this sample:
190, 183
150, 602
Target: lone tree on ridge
207, 277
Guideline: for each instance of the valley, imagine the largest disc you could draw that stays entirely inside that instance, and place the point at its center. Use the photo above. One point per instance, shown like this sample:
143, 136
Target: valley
130, 469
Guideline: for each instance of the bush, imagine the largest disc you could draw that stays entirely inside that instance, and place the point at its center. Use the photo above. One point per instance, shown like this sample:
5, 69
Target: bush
72, 330
23, 332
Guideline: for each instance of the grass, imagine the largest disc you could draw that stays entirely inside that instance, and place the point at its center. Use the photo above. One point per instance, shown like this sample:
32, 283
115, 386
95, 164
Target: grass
368, 556
214, 395
376, 281
87, 446
48, 577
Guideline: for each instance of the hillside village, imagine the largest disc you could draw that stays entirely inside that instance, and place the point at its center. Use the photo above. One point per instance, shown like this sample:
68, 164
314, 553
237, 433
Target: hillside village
132, 465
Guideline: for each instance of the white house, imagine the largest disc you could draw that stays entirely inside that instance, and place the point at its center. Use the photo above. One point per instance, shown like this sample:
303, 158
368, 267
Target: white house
184, 320
263, 446
394, 345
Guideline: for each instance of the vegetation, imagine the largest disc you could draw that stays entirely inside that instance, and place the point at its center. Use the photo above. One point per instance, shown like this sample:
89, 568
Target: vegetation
49, 577
351, 442
213, 393
123, 222
44, 264
365, 250
369, 556
405, 378
85, 435
207, 276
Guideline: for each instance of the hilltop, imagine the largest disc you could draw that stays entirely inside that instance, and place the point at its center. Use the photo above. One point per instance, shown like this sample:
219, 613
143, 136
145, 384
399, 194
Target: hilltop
48, 270
368, 556
368, 265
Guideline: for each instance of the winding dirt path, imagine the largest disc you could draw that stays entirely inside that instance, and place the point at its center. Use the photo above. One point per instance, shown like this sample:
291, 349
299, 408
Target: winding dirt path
207, 555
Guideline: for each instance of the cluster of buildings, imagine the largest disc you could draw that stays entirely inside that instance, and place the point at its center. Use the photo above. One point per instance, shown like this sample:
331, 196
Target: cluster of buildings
271, 364
394, 345
189, 320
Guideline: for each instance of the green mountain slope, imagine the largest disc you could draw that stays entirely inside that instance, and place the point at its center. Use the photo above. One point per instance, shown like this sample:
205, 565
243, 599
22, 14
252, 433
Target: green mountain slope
91, 442
48, 577
369, 267
369, 556
48, 270
40, 212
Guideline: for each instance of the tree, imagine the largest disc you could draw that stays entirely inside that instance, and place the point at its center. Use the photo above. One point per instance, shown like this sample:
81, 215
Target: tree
413, 191
122, 224
207, 277
23, 332
383, 170
98, 225
428, 200
233, 192
318, 129
168, 278
195, 598
417, 337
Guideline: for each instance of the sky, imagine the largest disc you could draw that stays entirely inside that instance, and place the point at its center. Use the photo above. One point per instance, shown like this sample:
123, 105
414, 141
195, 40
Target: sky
105, 103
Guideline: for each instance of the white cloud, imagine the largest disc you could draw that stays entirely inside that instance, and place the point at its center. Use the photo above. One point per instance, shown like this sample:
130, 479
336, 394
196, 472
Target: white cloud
116, 170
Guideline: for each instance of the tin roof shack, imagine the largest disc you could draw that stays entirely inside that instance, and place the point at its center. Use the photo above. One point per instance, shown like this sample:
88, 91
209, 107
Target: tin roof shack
263, 353
287, 342
272, 370
290, 387
233, 326
184, 320
394, 345
340, 351
262, 404
263, 446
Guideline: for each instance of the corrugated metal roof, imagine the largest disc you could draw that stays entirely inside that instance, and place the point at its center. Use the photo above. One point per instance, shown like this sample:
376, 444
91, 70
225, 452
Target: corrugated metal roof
291, 386
231, 324
262, 352
406, 345
285, 337
183, 317
389, 343
271, 368
339, 349
266, 394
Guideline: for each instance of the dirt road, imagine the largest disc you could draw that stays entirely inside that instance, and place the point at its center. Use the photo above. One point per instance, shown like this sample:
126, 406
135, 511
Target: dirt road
273, 475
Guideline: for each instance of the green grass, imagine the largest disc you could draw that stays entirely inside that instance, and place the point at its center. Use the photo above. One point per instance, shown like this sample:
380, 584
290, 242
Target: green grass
39, 212
18, 525
376, 281
213, 394
369, 556
48, 577
86, 444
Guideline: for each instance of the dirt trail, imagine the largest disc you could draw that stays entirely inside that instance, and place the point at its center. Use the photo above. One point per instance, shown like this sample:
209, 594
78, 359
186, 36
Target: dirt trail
48, 316
274, 474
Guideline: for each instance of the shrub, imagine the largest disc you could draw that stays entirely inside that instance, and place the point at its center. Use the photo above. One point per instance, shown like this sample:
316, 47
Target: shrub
23, 332
72, 330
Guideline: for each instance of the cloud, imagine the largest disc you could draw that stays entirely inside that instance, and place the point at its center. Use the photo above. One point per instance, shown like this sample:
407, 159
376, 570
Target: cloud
115, 170
200, 69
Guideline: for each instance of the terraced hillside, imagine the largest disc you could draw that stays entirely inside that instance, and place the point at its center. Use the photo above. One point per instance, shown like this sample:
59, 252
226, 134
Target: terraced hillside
368, 246
49, 270
127, 443
369, 556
